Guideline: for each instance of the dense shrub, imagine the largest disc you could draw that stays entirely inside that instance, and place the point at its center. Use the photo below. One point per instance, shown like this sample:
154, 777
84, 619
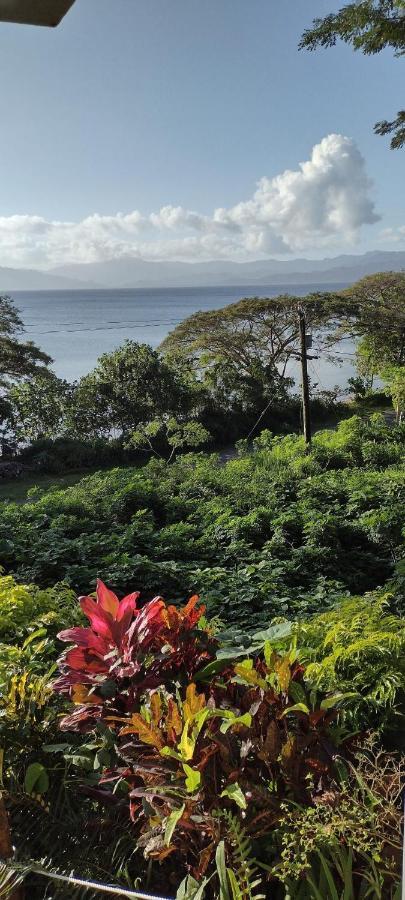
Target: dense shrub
359, 646
65, 454
23, 605
274, 531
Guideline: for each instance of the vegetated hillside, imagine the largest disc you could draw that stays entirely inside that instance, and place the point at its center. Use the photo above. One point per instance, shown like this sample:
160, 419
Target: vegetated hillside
274, 532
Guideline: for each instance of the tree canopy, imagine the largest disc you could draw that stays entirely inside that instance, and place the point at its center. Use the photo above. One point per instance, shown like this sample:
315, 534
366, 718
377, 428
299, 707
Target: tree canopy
369, 26
129, 386
375, 312
18, 359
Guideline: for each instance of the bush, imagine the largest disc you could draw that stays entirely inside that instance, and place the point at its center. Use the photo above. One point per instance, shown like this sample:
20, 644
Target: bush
359, 646
24, 606
199, 745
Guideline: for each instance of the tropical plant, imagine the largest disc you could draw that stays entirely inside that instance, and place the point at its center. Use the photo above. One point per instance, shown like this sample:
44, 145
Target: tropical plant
359, 646
247, 737
24, 608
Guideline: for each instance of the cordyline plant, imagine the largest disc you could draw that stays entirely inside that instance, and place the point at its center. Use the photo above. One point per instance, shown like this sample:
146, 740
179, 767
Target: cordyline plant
198, 742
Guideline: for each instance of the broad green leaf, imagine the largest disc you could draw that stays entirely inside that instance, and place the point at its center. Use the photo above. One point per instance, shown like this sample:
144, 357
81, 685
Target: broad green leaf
297, 707
246, 719
193, 779
335, 699
171, 823
236, 891
41, 632
224, 893
36, 779
234, 792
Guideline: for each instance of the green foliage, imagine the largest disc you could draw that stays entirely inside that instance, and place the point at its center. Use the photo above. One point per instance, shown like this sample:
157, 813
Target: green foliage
39, 406
359, 646
273, 532
348, 844
369, 26
168, 433
128, 386
23, 607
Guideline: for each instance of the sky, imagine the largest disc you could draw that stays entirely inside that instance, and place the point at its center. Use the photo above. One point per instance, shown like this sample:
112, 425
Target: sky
195, 130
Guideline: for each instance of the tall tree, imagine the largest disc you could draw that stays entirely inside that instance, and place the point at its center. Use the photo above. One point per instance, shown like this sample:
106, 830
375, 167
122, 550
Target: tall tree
255, 337
375, 313
129, 386
19, 359
39, 406
241, 353
368, 26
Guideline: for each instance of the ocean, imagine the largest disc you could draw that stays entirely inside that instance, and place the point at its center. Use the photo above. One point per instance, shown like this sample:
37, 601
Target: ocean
76, 327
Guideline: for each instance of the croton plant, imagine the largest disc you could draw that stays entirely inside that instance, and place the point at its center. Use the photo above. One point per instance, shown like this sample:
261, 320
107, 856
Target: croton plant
193, 733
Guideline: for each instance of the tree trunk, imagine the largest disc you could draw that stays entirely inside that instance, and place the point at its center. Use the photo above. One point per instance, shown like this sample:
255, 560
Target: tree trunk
6, 847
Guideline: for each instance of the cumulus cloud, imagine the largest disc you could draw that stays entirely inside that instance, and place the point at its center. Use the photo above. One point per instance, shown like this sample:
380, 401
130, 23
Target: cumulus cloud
323, 203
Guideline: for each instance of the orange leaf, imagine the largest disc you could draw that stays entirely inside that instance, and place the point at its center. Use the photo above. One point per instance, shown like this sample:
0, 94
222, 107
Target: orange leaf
81, 694
193, 703
147, 733
174, 722
156, 708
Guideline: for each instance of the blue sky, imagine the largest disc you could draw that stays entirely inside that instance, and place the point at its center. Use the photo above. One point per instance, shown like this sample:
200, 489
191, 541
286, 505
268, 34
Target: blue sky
134, 105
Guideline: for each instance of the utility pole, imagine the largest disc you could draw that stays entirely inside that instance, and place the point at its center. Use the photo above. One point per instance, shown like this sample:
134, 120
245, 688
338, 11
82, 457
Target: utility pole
306, 410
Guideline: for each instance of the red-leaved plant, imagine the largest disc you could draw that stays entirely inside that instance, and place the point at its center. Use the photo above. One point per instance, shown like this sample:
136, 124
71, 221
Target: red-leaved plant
193, 735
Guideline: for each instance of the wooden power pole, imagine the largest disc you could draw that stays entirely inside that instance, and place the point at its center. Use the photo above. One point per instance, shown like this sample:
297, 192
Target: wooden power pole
306, 410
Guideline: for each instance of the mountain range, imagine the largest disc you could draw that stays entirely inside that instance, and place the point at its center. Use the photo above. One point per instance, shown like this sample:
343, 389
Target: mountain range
131, 272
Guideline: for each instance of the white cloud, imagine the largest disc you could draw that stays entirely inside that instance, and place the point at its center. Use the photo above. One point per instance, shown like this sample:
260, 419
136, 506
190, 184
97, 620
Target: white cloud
323, 203
393, 235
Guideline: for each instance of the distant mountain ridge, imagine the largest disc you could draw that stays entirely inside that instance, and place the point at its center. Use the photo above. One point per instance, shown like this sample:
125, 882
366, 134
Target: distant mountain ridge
35, 280
131, 272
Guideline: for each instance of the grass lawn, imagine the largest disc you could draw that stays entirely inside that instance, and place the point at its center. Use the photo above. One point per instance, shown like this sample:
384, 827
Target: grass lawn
17, 489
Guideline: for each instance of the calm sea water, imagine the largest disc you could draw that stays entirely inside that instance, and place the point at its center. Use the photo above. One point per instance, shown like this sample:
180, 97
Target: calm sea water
76, 327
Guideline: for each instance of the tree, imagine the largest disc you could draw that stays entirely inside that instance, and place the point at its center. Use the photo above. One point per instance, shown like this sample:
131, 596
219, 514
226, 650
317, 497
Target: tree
18, 359
242, 351
368, 26
375, 312
39, 406
165, 436
394, 377
128, 386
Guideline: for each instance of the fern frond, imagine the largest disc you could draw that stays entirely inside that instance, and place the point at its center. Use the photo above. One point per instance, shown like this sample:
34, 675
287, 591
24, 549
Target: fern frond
243, 865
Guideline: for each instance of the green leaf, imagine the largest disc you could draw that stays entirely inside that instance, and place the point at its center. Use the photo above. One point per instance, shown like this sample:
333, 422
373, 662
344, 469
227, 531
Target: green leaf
273, 634
246, 719
236, 891
234, 793
36, 779
171, 823
224, 893
55, 748
297, 692
335, 699
297, 707
190, 889
41, 632
193, 779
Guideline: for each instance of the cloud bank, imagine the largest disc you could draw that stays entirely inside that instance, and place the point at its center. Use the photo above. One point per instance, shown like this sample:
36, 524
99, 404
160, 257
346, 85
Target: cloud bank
323, 203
